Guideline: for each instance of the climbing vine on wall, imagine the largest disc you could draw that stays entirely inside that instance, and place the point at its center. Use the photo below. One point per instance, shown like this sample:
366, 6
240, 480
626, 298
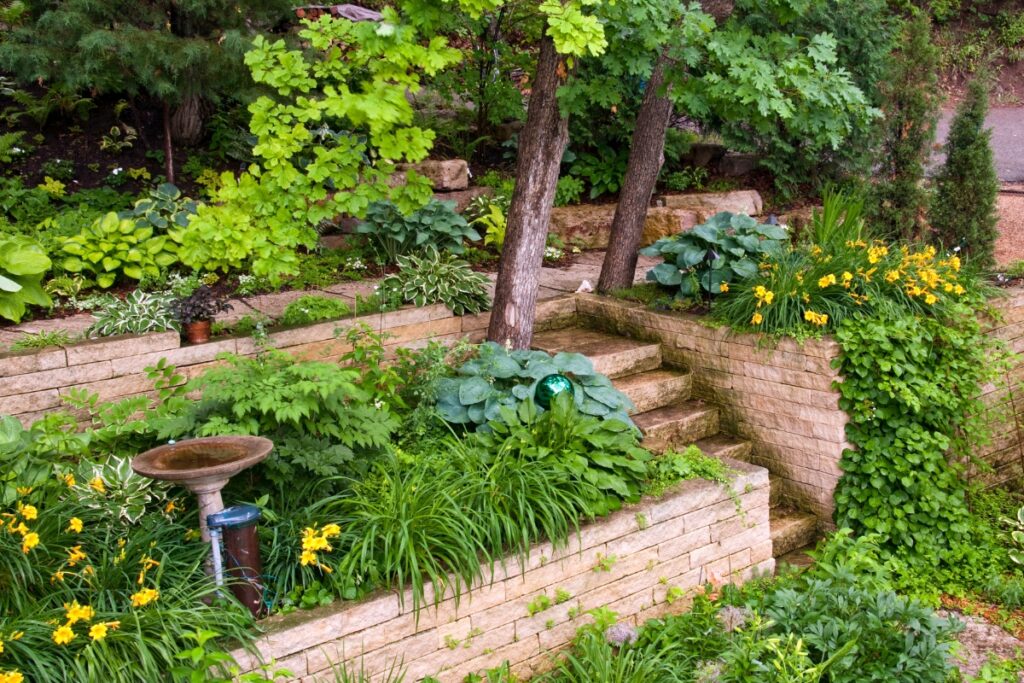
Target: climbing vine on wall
911, 389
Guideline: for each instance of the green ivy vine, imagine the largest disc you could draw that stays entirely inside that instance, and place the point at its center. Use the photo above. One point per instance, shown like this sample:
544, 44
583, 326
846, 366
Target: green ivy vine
911, 388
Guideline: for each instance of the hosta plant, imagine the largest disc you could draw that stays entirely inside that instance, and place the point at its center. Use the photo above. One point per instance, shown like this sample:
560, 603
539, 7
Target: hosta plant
165, 208
728, 247
497, 377
137, 313
436, 224
22, 265
435, 278
114, 246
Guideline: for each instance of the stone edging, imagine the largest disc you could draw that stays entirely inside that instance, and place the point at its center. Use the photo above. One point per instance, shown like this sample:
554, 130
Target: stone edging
664, 549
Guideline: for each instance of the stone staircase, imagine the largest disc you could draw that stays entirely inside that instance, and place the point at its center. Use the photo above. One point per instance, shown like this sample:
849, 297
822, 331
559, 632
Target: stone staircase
670, 417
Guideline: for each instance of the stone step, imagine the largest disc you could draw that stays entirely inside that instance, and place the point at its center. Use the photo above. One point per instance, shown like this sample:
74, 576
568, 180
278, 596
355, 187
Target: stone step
612, 355
791, 529
798, 559
655, 388
725, 446
679, 425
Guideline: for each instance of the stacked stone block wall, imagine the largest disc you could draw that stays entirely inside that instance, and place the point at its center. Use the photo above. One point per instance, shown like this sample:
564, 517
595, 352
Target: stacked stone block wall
779, 397
643, 561
35, 382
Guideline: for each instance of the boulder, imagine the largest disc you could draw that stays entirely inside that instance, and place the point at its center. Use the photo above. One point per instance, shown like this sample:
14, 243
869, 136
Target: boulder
462, 198
445, 175
589, 225
707, 204
735, 164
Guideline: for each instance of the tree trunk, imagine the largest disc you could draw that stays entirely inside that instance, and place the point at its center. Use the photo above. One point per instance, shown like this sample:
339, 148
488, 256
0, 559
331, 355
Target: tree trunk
646, 156
168, 145
541, 145
187, 121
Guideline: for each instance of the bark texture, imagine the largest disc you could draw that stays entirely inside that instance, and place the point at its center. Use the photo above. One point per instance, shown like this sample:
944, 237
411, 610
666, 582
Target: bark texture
541, 145
646, 156
187, 121
168, 145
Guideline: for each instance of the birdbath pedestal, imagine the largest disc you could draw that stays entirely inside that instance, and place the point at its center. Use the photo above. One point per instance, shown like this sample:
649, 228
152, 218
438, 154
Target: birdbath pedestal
203, 466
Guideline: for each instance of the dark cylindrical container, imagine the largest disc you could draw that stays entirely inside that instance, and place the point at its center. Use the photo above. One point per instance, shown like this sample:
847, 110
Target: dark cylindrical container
242, 553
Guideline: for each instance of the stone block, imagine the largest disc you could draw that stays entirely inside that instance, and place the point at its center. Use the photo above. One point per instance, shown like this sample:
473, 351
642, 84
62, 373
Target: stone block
463, 198
179, 357
116, 387
56, 378
26, 362
444, 175
30, 403
122, 346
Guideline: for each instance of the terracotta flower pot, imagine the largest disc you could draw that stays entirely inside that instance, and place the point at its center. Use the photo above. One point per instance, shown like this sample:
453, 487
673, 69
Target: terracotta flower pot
198, 332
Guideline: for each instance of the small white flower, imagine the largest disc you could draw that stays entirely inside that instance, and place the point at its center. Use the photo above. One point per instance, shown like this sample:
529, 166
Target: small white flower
956, 249
378, 404
117, 171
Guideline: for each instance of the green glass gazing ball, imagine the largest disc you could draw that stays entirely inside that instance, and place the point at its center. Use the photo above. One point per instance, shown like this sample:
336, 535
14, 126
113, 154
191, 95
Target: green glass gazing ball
551, 386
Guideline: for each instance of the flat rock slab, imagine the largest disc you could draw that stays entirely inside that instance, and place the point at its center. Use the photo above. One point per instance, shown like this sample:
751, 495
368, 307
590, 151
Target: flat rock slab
273, 305
981, 641
589, 225
707, 204
75, 325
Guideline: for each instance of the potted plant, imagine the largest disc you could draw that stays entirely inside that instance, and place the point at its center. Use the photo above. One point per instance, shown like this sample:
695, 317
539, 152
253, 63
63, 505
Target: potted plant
195, 313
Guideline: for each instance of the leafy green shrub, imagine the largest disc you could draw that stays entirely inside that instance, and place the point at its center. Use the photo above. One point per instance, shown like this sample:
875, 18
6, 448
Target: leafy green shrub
313, 308
887, 636
568, 191
113, 246
603, 169
963, 212
323, 421
329, 135
22, 265
910, 389
436, 224
498, 377
436, 278
11, 146
692, 178
726, 248
670, 468
603, 455
138, 313
493, 220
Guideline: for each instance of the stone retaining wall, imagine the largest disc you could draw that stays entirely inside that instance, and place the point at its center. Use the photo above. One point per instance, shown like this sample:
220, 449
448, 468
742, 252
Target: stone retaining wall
34, 382
780, 399
641, 562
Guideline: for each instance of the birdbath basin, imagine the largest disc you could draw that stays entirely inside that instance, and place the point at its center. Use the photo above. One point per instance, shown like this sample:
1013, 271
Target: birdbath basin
203, 466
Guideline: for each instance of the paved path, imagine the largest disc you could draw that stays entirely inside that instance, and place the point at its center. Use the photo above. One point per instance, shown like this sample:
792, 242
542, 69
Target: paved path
1007, 124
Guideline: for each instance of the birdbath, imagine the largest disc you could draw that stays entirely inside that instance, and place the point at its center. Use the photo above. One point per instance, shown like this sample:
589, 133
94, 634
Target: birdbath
203, 466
